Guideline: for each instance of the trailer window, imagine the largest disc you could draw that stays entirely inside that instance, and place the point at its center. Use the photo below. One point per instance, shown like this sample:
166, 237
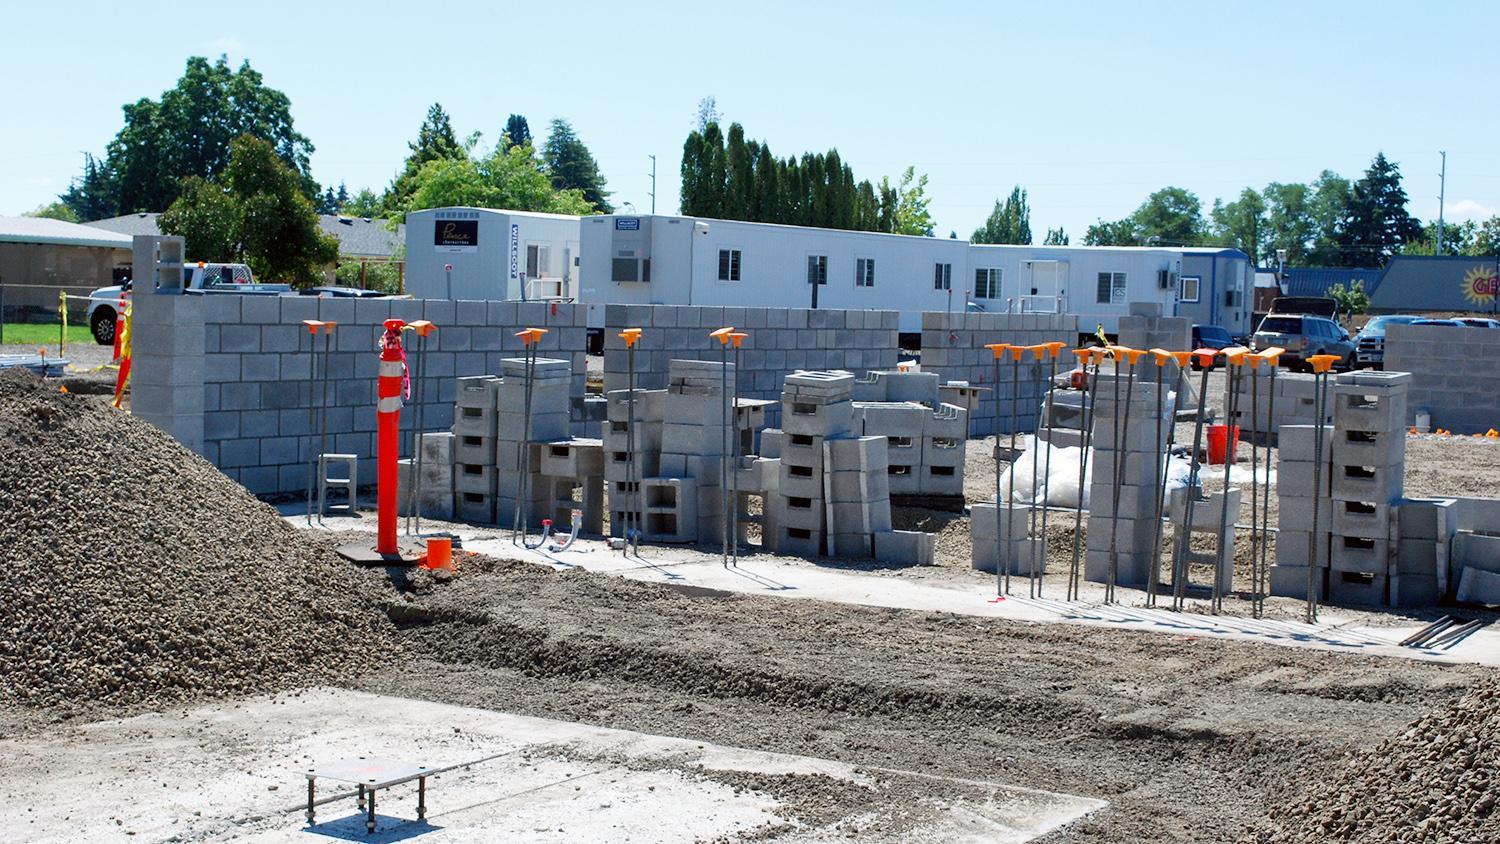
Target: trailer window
817, 269
1189, 288
942, 277
625, 269
729, 265
864, 272
1111, 289
987, 283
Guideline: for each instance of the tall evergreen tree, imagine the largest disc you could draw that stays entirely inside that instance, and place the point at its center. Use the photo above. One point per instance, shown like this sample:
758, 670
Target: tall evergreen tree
435, 141
867, 208
690, 196
516, 133
739, 173
92, 195
714, 172
1376, 222
1009, 222
570, 165
1056, 237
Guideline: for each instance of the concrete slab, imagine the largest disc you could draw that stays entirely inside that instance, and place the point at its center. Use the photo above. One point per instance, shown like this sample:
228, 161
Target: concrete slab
235, 770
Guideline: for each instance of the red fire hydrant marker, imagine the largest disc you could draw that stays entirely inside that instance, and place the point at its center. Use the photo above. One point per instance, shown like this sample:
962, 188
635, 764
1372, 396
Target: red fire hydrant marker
389, 399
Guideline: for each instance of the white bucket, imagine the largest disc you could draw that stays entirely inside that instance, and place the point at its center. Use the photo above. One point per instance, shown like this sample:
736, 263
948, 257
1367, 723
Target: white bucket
1424, 422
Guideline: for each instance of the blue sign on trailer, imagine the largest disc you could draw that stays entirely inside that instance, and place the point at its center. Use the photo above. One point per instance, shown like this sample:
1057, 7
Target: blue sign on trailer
627, 224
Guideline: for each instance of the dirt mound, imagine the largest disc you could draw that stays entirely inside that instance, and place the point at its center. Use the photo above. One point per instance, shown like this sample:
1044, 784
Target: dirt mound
1436, 781
135, 572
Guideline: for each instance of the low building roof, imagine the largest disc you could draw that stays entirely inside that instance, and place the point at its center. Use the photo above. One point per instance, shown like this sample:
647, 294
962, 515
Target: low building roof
1417, 283
359, 237
56, 232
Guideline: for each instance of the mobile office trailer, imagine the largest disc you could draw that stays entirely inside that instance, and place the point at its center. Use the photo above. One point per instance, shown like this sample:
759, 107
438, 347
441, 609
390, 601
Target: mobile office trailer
671, 260
1217, 287
493, 254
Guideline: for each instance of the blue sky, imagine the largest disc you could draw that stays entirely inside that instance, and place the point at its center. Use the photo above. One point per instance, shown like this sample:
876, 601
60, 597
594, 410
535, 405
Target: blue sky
1088, 106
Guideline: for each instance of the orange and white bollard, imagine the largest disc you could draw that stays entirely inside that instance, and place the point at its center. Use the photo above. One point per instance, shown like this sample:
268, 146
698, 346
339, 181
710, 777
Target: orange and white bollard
390, 393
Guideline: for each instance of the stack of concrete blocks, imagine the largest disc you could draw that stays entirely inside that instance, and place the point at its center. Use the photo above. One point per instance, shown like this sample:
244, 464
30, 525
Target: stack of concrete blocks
925, 437
781, 341
816, 407
1019, 548
650, 410
857, 494
1295, 402
1367, 462
1475, 556
545, 496
1426, 529
435, 486
685, 501
1139, 463
1455, 393
474, 449
1296, 531
953, 346
1145, 328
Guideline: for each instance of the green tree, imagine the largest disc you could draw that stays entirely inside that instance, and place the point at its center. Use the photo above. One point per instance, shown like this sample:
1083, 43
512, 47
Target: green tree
92, 196
506, 178
714, 172
708, 112
1458, 239
1171, 217
256, 212
1352, 301
738, 173
1117, 233
55, 211
1242, 224
1376, 222
365, 203
517, 132
1487, 238
910, 214
1327, 210
1056, 237
767, 186
1010, 222
435, 142
1289, 223
572, 167
188, 133
866, 208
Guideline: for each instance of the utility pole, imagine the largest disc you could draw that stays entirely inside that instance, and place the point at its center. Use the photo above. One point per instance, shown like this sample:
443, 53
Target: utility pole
1442, 192
653, 184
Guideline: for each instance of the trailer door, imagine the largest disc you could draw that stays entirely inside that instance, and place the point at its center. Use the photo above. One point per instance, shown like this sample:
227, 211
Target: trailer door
1045, 285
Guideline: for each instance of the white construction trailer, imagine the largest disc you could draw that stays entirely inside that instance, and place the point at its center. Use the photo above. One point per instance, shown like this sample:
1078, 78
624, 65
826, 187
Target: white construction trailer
484, 253
670, 260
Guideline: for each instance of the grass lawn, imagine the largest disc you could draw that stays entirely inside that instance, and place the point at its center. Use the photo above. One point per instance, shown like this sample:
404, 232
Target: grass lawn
41, 334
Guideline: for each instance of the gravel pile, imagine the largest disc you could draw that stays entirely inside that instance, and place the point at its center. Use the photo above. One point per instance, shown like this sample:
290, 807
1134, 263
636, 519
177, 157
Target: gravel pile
136, 573
1435, 782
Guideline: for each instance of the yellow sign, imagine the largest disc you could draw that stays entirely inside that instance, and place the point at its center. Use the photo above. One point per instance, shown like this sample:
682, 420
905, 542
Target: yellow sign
1480, 286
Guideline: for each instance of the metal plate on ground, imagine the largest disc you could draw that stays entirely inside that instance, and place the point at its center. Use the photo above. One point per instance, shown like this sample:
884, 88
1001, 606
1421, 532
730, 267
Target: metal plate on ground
369, 771
364, 553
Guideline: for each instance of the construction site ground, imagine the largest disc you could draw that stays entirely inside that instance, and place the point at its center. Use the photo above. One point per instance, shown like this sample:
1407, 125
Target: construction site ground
590, 696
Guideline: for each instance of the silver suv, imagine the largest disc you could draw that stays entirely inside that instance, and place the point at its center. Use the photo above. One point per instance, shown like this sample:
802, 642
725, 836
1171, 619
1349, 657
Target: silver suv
1304, 336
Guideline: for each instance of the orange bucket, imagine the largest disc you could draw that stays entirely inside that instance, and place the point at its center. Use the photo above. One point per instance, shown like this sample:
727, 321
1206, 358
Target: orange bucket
440, 553
1218, 435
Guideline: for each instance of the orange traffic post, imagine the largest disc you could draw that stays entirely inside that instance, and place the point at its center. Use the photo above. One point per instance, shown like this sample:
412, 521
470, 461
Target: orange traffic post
390, 395
631, 532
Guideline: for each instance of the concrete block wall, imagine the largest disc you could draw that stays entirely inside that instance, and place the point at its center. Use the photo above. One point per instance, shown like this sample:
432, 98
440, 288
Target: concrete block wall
953, 345
781, 341
1295, 402
1449, 376
237, 368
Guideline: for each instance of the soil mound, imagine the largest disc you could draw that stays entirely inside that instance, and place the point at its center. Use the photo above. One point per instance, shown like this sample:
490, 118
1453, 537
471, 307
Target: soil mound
134, 572
1437, 781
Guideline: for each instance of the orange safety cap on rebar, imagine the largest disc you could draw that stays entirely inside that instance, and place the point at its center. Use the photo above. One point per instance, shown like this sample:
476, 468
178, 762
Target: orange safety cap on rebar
530, 335
422, 327
1016, 352
1054, 349
1161, 356
313, 325
1083, 355
722, 334
997, 349
1235, 355
1271, 356
1323, 363
738, 337
631, 336
1131, 355
1205, 356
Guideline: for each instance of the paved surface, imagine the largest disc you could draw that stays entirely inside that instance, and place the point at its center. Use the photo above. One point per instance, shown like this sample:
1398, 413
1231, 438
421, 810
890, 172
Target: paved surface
235, 771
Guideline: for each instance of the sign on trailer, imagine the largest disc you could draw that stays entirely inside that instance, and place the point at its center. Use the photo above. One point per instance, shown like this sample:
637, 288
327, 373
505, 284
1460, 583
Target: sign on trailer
456, 235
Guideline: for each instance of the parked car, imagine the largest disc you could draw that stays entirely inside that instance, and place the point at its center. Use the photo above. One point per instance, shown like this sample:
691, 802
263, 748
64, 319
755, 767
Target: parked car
1303, 336
1369, 343
1210, 337
1480, 322
1451, 323
202, 277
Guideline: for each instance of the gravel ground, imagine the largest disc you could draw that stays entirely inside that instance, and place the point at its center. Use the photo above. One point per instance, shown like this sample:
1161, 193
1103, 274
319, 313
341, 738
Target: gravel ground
137, 574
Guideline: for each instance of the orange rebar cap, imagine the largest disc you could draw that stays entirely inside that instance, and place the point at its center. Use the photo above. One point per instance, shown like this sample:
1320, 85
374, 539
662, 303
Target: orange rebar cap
422, 327
739, 337
1235, 355
530, 335
1323, 363
722, 334
1271, 356
1054, 349
1161, 356
1017, 351
631, 336
1083, 355
1182, 358
997, 349
313, 325
1131, 355
1205, 356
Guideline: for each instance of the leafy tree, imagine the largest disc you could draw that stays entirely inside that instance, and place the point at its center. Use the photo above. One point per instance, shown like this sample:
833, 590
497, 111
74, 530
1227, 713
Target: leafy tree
1171, 217
517, 133
714, 171
866, 208
767, 205
1010, 222
1056, 237
256, 212
55, 211
708, 112
572, 167
506, 178
435, 142
1487, 238
1331, 194
738, 172
188, 133
92, 196
1289, 223
365, 203
1242, 224
1117, 233
1352, 301
1376, 222
911, 215
1458, 239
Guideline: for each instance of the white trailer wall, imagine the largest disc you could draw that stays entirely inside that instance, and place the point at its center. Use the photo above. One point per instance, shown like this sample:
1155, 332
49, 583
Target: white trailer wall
490, 251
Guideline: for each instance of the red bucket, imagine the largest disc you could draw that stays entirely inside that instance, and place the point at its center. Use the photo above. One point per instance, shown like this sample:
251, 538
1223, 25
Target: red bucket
1217, 435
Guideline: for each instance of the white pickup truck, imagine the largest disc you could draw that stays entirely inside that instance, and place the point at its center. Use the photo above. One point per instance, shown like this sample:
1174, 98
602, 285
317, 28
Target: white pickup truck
202, 277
